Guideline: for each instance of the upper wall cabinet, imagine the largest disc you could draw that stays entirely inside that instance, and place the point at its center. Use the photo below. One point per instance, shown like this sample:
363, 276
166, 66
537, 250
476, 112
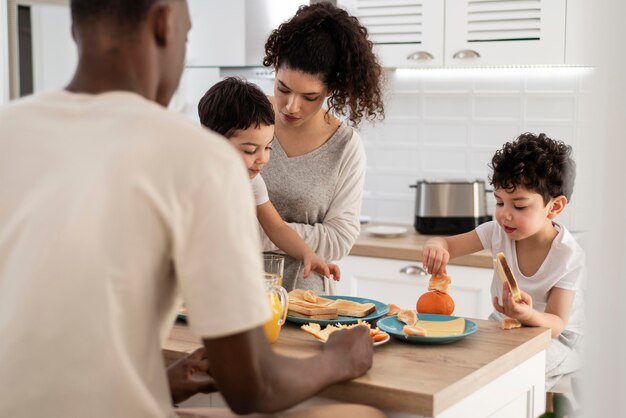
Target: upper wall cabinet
458, 33
510, 32
233, 33
217, 35
406, 33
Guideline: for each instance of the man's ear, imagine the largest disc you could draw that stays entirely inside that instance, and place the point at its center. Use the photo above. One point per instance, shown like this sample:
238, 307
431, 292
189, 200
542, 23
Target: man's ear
557, 205
162, 19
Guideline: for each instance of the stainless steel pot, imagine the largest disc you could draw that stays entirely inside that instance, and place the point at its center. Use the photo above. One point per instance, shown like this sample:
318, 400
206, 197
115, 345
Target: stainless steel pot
450, 206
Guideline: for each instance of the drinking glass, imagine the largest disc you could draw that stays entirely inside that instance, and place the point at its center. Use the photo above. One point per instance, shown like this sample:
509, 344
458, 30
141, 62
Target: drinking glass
274, 265
279, 302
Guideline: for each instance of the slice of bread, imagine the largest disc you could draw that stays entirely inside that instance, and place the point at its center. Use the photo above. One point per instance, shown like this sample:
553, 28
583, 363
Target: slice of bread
506, 276
344, 307
312, 310
313, 316
298, 296
510, 323
350, 308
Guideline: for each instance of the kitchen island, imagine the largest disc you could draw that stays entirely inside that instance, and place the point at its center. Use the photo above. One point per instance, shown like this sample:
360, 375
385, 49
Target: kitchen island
489, 373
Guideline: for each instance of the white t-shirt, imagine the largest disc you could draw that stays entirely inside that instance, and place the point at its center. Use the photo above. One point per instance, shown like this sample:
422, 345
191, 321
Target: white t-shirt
259, 189
564, 267
110, 208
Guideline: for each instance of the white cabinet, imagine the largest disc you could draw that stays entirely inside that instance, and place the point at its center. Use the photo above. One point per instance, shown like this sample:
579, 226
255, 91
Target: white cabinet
458, 33
405, 33
381, 279
519, 32
217, 35
233, 33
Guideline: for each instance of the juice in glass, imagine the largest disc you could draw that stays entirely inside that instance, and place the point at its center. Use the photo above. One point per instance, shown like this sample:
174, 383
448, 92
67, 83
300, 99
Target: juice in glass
278, 301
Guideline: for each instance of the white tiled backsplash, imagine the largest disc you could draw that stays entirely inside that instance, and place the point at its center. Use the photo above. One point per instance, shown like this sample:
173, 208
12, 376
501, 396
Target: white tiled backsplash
447, 124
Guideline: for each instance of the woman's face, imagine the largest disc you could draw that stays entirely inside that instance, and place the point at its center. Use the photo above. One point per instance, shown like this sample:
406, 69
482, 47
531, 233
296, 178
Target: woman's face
298, 96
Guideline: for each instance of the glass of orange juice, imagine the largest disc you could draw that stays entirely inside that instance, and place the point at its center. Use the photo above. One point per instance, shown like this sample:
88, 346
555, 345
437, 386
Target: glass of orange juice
279, 302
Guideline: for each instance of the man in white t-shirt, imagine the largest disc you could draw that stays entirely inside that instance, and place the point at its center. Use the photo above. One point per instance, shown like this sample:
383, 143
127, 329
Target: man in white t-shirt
112, 210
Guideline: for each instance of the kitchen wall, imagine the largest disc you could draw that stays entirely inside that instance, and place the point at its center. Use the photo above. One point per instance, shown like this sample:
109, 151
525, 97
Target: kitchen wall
440, 124
447, 123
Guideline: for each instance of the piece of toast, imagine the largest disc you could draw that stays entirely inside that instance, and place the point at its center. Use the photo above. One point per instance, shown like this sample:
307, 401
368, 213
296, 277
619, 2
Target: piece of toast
506, 276
510, 323
316, 316
350, 308
297, 296
312, 310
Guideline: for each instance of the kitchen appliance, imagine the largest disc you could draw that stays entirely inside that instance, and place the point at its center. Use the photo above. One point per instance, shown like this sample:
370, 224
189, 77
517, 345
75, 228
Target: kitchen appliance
450, 206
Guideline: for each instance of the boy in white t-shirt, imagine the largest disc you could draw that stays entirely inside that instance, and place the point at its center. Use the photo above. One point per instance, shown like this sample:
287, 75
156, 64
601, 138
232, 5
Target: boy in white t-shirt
241, 112
533, 179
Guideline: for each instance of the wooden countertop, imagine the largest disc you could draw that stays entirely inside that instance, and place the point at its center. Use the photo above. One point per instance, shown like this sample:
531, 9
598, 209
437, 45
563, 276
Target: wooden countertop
419, 379
409, 247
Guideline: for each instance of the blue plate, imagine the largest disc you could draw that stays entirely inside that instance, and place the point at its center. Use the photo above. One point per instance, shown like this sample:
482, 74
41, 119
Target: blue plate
381, 309
392, 326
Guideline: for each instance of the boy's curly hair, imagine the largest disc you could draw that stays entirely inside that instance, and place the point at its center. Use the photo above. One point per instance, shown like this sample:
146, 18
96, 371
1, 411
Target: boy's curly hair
324, 40
536, 162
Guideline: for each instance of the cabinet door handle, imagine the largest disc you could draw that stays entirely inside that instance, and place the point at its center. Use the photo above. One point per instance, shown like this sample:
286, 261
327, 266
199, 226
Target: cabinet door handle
420, 56
414, 270
466, 54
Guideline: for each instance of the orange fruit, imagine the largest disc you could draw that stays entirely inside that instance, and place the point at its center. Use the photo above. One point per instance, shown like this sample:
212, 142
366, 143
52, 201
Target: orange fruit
435, 302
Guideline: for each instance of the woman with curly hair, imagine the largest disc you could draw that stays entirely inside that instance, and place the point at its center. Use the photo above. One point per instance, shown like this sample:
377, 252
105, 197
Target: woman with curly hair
321, 56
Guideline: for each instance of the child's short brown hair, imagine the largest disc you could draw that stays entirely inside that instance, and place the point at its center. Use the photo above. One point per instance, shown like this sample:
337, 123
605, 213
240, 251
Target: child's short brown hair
234, 104
536, 162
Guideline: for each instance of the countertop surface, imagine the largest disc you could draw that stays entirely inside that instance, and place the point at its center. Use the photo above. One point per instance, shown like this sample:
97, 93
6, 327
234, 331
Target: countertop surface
408, 247
419, 379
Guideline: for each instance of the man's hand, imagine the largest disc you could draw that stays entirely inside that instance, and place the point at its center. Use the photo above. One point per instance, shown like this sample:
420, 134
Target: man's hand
181, 380
355, 348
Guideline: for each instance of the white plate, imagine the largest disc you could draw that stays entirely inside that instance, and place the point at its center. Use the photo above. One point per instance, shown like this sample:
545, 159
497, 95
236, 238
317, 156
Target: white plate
386, 231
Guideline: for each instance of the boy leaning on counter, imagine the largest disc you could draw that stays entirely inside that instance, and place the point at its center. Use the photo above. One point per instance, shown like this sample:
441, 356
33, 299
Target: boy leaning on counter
533, 179
241, 112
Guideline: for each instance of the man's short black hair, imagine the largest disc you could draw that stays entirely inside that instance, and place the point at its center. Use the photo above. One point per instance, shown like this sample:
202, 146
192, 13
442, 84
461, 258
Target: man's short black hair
124, 12
235, 104
536, 162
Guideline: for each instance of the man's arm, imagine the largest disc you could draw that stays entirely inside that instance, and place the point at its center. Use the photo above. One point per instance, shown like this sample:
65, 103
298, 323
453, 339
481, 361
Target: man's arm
252, 378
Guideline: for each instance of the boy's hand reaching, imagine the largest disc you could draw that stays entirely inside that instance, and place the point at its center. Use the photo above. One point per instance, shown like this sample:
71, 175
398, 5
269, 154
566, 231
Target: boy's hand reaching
435, 257
522, 311
314, 262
